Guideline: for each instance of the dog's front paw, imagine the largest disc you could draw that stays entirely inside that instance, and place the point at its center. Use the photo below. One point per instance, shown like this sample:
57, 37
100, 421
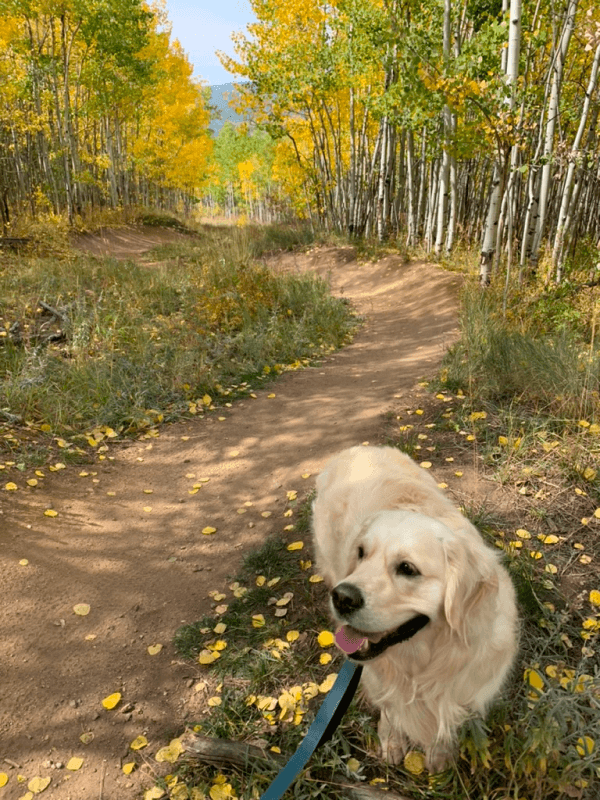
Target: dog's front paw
438, 757
393, 744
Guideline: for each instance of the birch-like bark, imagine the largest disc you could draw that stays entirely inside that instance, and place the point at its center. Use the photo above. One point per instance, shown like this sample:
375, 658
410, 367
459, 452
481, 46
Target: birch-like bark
552, 118
557, 252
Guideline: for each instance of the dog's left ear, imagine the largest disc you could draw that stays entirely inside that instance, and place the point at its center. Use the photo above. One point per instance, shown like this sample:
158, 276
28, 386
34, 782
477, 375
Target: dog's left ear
471, 583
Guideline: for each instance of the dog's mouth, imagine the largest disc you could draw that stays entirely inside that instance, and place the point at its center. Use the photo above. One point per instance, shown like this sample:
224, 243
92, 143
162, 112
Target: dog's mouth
363, 646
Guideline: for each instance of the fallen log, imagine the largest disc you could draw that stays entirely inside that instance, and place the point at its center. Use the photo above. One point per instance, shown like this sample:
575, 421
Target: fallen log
223, 752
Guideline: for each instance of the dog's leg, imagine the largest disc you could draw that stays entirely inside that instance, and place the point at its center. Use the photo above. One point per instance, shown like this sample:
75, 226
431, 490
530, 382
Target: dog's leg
394, 744
439, 756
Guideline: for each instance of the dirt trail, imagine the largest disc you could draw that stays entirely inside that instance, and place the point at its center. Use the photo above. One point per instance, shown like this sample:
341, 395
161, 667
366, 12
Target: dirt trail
144, 573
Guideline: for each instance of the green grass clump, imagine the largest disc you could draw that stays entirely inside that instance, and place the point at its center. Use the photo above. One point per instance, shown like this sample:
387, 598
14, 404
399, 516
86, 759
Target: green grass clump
131, 341
500, 362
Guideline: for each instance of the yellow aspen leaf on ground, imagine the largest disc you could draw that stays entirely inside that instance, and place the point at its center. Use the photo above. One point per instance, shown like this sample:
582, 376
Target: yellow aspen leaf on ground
289, 527
112, 700
353, 764
595, 597
233, 453
260, 580
3, 779
11, 487
291, 636
86, 738
292, 495
325, 638
306, 475
523, 534
283, 601
207, 656
450, 458
81, 609
585, 520
475, 415
273, 581
74, 763
258, 621
594, 428
325, 658
326, 685
535, 554
583, 423
32, 482
214, 701
23, 562
419, 411
50, 512
220, 627
129, 767
585, 746
139, 742
171, 752
148, 491
589, 474
502, 441
147, 509
442, 485
207, 400
585, 560
220, 644
155, 649
270, 396
265, 514
45, 427
414, 762
155, 793
426, 464
458, 474
295, 546
208, 530
242, 510
534, 679
315, 579
111, 494
37, 785
550, 539
222, 792
548, 446
551, 568
597, 513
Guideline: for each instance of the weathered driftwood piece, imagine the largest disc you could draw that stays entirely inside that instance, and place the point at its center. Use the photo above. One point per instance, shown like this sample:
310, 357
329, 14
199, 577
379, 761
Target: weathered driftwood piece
220, 752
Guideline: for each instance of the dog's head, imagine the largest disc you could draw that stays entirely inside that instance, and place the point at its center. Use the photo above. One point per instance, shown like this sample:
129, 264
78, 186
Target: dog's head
403, 564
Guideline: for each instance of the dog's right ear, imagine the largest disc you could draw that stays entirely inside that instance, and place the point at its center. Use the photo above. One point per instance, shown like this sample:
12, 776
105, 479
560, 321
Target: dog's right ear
470, 582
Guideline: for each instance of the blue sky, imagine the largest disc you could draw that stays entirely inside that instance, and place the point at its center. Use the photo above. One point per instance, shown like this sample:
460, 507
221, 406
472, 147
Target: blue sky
204, 27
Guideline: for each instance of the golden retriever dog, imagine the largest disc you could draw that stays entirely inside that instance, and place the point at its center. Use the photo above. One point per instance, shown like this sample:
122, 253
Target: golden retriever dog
423, 604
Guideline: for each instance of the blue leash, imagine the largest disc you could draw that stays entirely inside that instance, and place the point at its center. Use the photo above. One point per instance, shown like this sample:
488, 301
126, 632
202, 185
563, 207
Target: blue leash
328, 718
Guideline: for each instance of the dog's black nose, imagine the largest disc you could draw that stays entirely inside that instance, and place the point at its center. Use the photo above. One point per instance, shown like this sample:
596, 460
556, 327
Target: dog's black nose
346, 598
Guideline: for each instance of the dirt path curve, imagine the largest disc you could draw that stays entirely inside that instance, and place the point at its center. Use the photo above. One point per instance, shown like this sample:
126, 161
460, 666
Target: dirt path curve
143, 572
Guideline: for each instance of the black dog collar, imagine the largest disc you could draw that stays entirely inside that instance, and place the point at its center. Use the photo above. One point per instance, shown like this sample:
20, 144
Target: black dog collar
401, 634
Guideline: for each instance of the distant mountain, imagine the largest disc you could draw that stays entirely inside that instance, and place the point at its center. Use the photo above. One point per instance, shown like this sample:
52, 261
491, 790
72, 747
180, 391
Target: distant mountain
220, 97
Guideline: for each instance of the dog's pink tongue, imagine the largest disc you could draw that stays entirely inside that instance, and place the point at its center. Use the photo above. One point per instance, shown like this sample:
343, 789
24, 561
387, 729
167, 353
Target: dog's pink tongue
347, 640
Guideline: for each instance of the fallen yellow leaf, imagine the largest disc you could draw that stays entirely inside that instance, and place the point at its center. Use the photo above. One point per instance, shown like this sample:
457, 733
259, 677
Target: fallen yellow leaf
3, 779
139, 742
414, 762
112, 700
154, 649
74, 763
128, 768
208, 530
81, 609
37, 785
50, 512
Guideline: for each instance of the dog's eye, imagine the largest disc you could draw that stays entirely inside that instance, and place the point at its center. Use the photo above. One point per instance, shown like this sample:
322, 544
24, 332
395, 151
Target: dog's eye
404, 568
361, 552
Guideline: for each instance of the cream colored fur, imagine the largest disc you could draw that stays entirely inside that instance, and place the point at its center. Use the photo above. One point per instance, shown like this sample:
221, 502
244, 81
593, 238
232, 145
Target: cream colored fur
379, 499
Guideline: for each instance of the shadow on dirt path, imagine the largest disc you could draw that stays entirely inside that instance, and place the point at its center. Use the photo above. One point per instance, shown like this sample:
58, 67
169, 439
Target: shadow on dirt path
127, 539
